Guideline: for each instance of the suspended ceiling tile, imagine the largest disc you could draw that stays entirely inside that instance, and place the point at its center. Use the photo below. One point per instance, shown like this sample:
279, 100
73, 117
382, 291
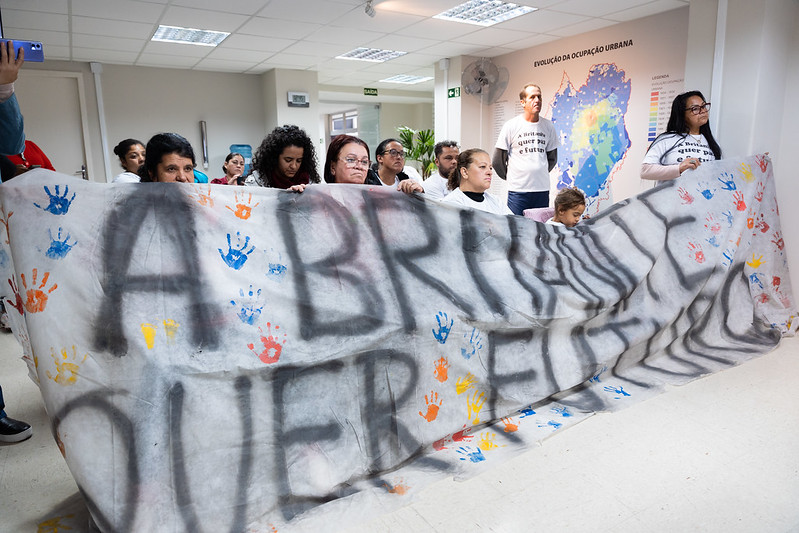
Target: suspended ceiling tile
32, 20
286, 29
201, 19
113, 28
128, 10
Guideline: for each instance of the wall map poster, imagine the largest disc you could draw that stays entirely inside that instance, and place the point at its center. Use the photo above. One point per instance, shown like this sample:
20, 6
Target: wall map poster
608, 93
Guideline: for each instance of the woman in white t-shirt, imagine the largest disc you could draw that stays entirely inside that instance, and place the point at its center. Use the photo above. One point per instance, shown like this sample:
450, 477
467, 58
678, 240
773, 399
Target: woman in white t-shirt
470, 180
687, 142
131, 156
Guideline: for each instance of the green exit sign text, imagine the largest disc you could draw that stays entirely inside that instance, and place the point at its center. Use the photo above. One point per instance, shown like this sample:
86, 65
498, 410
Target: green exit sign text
455, 92
368, 91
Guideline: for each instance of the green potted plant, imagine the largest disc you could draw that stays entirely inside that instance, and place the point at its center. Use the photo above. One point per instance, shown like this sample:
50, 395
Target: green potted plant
418, 147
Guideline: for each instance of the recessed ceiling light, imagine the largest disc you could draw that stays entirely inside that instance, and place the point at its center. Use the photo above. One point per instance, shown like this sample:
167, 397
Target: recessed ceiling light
175, 34
406, 79
484, 12
374, 55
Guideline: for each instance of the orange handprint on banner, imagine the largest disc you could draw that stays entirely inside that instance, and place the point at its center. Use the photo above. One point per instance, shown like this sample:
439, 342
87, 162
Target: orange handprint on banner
441, 370
243, 210
36, 297
433, 404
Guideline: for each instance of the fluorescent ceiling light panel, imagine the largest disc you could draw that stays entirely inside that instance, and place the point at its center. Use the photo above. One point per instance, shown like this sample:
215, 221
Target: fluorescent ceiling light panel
175, 34
375, 55
484, 12
406, 79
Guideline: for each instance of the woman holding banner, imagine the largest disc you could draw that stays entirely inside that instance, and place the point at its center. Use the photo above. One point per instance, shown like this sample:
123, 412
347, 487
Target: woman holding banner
687, 142
470, 180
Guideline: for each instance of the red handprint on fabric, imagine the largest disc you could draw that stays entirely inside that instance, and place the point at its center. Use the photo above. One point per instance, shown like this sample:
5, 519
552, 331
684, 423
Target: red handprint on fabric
696, 252
272, 346
740, 205
777, 240
762, 162
761, 224
17, 303
761, 188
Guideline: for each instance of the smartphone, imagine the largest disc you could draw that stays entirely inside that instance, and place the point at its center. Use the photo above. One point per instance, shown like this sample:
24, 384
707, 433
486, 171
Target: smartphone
34, 51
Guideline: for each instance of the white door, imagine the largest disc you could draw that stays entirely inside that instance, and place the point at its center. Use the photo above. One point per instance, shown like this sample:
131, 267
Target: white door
53, 107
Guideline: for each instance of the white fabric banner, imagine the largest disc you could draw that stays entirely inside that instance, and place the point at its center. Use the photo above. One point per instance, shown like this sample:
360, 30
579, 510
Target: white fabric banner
218, 358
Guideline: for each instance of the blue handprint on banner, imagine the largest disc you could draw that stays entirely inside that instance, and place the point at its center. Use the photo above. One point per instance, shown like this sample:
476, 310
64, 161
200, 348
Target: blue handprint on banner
475, 455
59, 205
59, 247
475, 344
275, 270
552, 424
598, 375
236, 257
728, 254
248, 312
562, 411
705, 190
617, 390
443, 328
727, 184
729, 217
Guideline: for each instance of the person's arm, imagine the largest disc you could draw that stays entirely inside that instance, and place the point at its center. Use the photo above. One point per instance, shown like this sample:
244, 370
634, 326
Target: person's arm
552, 159
12, 131
410, 186
500, 162
650, 171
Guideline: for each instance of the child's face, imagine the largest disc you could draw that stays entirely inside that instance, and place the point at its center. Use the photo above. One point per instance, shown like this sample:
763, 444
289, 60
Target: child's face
570, 217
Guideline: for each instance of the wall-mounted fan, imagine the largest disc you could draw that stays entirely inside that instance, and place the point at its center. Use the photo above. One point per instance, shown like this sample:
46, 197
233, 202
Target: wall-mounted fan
484, 80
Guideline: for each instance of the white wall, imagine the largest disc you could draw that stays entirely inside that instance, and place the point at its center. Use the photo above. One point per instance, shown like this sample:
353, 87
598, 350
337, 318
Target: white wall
140, 102
277, 84
237, 108
785, 168
414, 116
754, 87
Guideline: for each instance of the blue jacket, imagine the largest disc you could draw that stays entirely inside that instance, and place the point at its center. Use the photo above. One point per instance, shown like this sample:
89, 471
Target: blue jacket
12, 132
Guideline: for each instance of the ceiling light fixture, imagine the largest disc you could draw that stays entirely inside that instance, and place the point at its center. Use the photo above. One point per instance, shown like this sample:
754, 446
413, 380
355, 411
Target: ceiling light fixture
176, 34
369, 9
484, 12
375, 55
407, 79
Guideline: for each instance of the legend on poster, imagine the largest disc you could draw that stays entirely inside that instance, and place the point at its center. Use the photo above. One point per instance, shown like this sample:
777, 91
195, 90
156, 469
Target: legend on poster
664, 88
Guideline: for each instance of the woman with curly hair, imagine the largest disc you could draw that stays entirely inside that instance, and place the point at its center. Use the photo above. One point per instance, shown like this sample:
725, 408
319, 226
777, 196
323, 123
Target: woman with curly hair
286, 158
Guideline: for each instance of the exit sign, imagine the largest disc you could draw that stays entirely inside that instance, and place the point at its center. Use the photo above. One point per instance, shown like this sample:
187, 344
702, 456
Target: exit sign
368, 91
455, 92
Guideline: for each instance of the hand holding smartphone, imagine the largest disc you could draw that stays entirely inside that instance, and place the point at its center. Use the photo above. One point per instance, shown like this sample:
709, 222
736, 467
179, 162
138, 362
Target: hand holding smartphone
32, 50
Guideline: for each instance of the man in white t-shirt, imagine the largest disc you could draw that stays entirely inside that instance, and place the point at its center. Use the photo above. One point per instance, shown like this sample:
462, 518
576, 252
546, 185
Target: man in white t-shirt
526, 151
435, 186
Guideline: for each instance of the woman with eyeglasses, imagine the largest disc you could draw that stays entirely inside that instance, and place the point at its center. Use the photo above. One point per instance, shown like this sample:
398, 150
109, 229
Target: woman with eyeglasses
388, 170
687, 142
347, 160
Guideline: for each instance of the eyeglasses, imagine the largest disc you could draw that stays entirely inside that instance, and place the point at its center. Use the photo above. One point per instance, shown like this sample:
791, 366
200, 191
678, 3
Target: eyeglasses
696, 109
352, 162
394, 153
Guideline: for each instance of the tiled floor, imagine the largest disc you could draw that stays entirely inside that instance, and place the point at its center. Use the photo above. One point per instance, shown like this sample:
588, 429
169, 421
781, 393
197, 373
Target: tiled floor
718, 455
